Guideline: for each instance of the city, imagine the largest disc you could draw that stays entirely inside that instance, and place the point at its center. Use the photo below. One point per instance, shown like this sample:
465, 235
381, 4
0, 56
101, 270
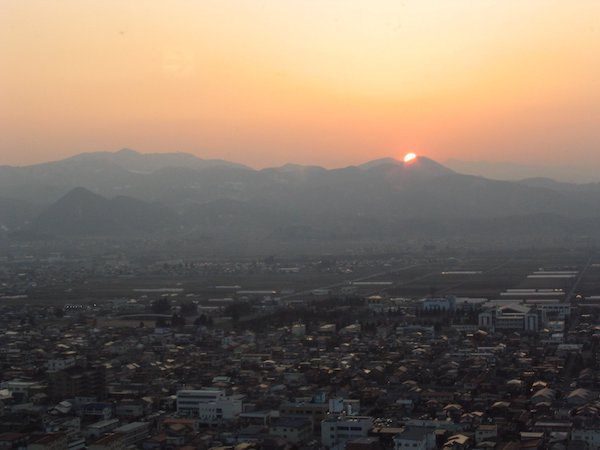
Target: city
481, 350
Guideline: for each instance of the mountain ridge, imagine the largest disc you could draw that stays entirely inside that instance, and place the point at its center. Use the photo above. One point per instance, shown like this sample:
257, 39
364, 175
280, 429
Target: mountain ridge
383, 199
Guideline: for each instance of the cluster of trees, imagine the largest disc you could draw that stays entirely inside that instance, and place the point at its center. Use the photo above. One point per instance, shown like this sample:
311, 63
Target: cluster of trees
203, 321
237, 310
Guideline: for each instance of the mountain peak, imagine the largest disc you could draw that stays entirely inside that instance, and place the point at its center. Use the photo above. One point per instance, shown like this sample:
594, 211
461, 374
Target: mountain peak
80, 194
127, 151
381, 162
135, 161
420, 164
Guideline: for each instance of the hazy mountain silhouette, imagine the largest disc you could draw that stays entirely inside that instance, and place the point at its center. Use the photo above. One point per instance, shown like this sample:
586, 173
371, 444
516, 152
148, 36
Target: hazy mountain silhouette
15, 213
514, 172
421, 166
128, 192
81, 212
151, 162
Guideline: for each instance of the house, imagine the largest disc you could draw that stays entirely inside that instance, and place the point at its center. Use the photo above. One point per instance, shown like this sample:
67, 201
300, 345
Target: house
415, 438
50, 441
113, 441
486, 433
133, 432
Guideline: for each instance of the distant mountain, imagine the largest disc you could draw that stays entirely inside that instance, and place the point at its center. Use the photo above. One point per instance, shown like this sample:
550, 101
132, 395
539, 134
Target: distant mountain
151, 162
514, 172
106, 173
421, 165
83, 213
15, 214
183, 197
549, 183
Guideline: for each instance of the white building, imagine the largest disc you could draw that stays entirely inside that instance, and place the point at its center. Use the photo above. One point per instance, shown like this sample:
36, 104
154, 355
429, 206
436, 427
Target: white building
590, 436
337, 430
299, 329
210, 406
433, 304
510, 317
58, 364
486, 432
97, 429
380, 304
133, 432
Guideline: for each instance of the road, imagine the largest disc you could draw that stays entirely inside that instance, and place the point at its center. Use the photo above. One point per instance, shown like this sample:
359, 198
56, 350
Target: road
349, 282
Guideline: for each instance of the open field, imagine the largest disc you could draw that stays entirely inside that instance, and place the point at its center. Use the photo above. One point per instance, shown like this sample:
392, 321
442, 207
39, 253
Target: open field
470, 274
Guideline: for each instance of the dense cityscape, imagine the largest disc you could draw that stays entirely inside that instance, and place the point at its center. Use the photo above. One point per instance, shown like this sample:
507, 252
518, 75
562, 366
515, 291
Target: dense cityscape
474, 351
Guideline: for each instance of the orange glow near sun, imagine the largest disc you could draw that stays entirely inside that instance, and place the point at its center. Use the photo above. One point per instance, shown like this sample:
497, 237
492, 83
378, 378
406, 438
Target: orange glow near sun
409, 158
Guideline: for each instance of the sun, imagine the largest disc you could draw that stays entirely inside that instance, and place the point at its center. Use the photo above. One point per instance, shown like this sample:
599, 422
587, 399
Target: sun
410, 157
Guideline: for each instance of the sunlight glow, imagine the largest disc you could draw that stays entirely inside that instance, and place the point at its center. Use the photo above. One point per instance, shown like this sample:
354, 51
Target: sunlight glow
409, 158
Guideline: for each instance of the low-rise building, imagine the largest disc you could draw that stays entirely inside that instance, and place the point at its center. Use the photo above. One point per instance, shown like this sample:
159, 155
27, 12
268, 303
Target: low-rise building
50, 441
337, 430
113, 441
210, 406
293, 429
415, 438
590, 436
133, 432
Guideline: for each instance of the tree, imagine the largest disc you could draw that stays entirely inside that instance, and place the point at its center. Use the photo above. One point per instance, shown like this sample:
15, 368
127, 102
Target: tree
177, 321
201, 320
161, 306
188, 309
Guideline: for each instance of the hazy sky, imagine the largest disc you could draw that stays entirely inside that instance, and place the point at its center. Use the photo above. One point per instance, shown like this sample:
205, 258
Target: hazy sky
330, 82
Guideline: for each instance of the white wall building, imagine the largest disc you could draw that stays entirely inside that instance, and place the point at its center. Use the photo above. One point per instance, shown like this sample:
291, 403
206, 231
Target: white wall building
337, 430
210, 406
134, 432
432, 304
58, 364
590, 436
510, 317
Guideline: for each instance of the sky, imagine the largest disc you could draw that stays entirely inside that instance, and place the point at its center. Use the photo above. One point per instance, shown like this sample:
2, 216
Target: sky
328, 82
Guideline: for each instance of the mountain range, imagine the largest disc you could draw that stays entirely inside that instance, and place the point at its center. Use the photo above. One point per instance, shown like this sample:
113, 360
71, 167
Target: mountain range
571, 173
126, 193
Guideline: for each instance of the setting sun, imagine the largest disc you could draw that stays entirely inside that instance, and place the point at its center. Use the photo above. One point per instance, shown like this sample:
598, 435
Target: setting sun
410, 157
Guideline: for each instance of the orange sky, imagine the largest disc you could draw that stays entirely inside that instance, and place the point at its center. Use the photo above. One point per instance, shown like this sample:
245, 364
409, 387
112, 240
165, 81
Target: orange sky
330, 82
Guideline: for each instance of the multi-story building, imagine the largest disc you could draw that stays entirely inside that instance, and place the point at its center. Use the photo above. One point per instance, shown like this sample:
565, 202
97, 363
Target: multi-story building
591, 437
133, 432
97, 429
510, 317
437, 304
337, 430
209, 406
58, 364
